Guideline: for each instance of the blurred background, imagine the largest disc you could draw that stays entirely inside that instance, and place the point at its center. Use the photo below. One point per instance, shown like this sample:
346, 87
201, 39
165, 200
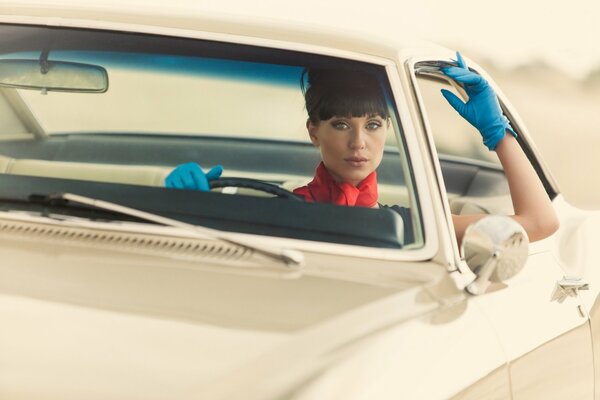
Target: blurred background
544, 55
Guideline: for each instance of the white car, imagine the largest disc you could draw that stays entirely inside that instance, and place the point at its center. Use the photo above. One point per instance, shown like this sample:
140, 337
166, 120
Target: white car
115, 287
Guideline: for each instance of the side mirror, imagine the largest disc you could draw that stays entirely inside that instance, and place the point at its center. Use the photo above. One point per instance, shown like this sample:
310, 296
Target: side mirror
496, 249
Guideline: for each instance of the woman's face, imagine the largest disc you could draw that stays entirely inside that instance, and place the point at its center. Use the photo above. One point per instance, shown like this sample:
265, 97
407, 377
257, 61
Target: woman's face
351, 148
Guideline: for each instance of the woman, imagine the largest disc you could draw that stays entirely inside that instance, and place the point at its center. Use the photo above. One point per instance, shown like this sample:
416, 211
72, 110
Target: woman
348, 120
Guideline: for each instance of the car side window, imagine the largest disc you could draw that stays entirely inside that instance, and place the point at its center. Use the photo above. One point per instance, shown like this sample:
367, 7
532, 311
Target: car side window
453, 135
473, 176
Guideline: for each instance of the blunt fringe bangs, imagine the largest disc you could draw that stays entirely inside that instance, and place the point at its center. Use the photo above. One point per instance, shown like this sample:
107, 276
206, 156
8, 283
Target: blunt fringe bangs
342, 93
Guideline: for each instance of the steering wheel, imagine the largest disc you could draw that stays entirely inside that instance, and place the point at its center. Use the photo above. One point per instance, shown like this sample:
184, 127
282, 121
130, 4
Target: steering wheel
254, 184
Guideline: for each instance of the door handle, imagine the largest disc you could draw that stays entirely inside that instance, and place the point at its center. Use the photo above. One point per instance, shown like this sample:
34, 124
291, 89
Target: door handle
568, 286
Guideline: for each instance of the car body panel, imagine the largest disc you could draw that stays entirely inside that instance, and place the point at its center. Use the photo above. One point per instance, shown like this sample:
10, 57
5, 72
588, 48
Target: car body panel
574, 250
128, 309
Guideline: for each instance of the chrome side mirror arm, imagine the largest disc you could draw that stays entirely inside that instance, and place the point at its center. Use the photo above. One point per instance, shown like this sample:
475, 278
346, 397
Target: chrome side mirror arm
482, 282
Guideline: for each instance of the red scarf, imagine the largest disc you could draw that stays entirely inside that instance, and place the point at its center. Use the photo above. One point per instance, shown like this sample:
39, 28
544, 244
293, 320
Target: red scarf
323, 189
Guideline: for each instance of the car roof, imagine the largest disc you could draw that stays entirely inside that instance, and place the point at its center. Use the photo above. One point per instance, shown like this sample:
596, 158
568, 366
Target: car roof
159, 16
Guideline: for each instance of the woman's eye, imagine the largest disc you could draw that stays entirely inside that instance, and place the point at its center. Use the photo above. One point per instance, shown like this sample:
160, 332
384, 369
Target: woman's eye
340, 125
373, 125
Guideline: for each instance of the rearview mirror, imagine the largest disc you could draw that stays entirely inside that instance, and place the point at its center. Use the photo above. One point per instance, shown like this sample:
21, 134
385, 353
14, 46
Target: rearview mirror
495, 248
60, 76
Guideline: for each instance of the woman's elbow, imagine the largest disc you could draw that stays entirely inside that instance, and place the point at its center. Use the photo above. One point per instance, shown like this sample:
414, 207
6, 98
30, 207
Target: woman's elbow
544, 227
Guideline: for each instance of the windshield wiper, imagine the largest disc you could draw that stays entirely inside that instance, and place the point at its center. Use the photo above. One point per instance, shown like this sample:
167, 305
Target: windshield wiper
290, 258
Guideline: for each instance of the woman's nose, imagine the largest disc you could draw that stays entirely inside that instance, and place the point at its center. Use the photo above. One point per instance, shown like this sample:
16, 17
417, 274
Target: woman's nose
357, 140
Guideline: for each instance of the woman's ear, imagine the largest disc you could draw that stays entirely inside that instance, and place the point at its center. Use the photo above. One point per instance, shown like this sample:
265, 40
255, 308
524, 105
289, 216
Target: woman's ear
312, 132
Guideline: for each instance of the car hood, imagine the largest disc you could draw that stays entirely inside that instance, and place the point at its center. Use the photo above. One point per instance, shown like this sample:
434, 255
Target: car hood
82, 320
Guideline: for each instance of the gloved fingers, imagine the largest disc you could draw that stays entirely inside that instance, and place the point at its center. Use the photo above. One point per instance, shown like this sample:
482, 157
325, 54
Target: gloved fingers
455, 102
178, 182
191, 176
195, 178
191, 179
174, 181
215, 172
187, 176
460, 61
463, 76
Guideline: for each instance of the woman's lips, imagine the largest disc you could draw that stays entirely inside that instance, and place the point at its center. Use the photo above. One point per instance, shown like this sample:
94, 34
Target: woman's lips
356, 161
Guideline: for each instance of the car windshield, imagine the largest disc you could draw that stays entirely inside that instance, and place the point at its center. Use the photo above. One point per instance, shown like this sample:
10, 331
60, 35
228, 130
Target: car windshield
110, 114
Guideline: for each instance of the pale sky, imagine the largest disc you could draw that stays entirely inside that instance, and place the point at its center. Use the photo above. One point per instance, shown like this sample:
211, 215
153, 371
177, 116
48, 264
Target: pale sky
565, 34
562, 33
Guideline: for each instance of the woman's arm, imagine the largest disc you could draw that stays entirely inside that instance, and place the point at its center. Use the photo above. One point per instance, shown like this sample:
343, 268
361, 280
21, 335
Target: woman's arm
532, 206
533, 209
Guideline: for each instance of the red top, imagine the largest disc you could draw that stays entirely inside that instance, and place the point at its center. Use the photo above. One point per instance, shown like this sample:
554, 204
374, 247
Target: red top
323, 189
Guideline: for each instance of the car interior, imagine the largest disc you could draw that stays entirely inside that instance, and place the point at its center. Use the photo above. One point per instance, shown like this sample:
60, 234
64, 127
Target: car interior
145, 105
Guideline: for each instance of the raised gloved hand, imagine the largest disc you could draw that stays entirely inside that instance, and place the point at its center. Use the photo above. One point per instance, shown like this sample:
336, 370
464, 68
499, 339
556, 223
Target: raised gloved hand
482, 110
191, 176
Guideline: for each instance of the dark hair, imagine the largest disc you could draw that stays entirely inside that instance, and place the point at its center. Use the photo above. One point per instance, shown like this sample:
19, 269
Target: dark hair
341, 92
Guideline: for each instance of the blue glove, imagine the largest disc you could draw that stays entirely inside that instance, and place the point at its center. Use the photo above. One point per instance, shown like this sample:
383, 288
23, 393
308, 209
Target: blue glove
482, 110
191, 176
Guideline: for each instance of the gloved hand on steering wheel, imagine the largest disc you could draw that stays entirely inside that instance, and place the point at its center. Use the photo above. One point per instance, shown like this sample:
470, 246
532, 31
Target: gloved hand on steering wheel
191, 176
482, 110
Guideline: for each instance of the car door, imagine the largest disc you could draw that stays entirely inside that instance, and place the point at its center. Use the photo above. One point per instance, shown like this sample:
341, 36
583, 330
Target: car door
545, 332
